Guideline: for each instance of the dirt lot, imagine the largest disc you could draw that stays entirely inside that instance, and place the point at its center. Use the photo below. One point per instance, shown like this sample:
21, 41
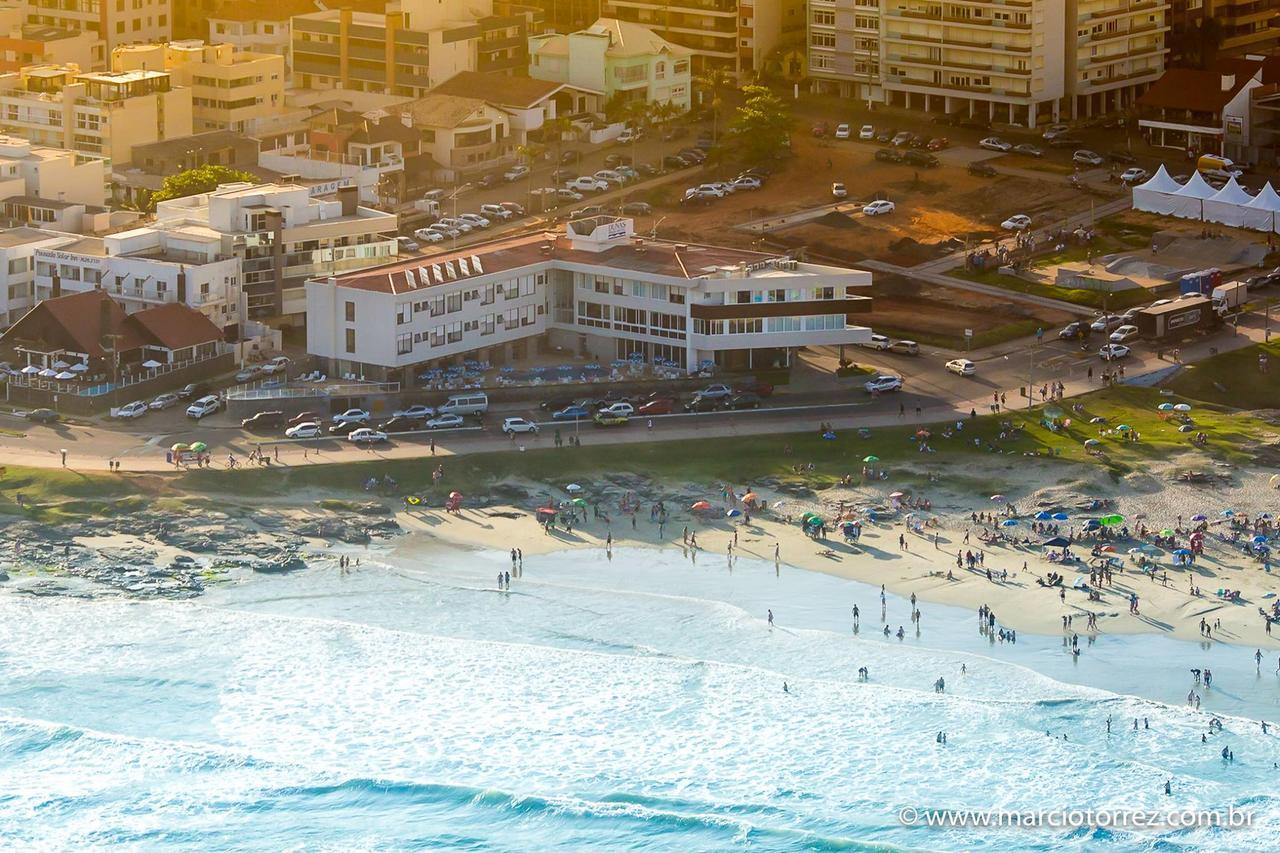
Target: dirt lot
940, 315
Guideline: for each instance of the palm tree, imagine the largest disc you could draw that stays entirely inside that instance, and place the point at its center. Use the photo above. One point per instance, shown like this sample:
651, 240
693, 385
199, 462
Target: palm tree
530, 152
716, 81
638, 114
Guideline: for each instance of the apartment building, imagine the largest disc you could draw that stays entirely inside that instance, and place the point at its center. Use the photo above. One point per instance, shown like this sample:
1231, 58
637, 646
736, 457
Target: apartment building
618, 59
708, 28
763, 25
230, 89
283, 235
595, 289
116, 22
18, 268
24, 43
1117, 52
97, 113
50, 173
844, 48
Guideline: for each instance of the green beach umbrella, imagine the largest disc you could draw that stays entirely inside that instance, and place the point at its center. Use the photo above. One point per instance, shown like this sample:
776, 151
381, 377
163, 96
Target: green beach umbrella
871, 459
199, 447
1166, 532
578, 502
1111, 520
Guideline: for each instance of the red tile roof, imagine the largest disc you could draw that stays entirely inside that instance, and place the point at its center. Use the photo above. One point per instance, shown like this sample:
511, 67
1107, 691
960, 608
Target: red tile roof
174, 326
1198, 90
80, 322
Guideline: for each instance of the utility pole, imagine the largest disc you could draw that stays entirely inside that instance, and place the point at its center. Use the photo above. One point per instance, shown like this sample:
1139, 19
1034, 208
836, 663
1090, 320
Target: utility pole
1031, 366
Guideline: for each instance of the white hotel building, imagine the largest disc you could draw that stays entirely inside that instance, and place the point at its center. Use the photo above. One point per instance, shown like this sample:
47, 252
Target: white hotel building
595, 290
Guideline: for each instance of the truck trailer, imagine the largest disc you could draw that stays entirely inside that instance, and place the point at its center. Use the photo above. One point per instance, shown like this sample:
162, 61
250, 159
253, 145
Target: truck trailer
1230, 297
1177, 319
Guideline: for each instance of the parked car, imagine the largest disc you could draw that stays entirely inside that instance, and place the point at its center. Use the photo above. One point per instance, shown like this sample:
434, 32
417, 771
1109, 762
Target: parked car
878, 208
1026, 149
587, 183
571, 413
961, 367
406, 244
306, 429
995, 143
1111, 352
444, 232
204, 406
901, 140
417, 410
164, 401
496, 211
674, 161
1117, 156
515, 173
905, 347
716, 392
867, 132
1065, 142
398, 424
1105, 322
1124, 334
365, 435
512, 207
1134, 175
568, 195
888, 155
657, 406
43, 416
612, 177
1085, 157
345, 428
1017, 222
628, 136
279, 364
922, 159
1073, 330
843, 131
456, 223
192, 389
1055, 130
747, 182
938, 143
490, 180
884, 137
570, 156
745, 400
636, 208
475, 220
616, 160
877, 342
263, 421
838, 190
430, 234
303, 418
248, 374
445, 422
982, 170
881, 383
136, 409
608, 419
754, 386
513, 425
358, 416
702, 404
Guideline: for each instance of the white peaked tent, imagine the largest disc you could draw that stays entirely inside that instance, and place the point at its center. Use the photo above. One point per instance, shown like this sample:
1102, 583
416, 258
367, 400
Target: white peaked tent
1228, 205
1262, 212
1190, 199
1156, 194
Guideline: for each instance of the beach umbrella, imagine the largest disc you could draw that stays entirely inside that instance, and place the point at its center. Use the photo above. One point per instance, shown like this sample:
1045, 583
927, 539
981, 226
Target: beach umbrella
1009, 522
1265, 516
1124, 427
1182, 407
546, 511
79, 367
829, 436
871, 459
573, 487
701, 505
1259, 538
733, 513
1228, 513
1182, 552
1043, 515
1098, 420
1108, 549
178, 448
1111, 520
1092, 523
48, 373
151, 364
999, 498
1199, 516
578, 502
30, 370
60, 364
897, 494
1060, 516
1165, 407
1166, 532
1092, 442
1056, 542
199, 446
64, 376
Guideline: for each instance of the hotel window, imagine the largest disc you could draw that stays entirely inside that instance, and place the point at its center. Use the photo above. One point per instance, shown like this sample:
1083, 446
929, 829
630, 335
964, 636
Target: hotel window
453, 302
404, 313
404, 343
351, 340
487, 298
676, 296
437, 306
602, 285
486, 325
455, 333
351, 312
824, 17
822, 39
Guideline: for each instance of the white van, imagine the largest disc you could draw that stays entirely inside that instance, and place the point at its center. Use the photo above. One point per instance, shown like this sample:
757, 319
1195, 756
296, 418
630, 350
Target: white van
465, 404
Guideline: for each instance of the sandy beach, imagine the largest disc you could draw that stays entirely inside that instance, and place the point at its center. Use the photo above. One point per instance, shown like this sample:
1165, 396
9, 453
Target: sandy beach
1153, 497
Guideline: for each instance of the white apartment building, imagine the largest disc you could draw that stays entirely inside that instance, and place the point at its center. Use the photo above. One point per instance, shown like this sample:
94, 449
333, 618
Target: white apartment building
54, 174
596, 289
117, 22
18, 268
1014, 61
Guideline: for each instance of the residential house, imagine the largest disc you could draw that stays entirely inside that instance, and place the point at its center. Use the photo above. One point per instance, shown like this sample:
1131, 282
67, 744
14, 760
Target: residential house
464, 136
1203, 111
529, 102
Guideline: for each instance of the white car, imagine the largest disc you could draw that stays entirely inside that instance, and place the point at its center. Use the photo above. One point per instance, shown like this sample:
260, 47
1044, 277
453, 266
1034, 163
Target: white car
883, 382
609, 176
725, 187
515, 173
995, 143
1019, 222
1124, 334
962, 367
628, 135
1106, 321
429, 235
747, 182
514, 425
279, 364
1055, 130
867, 132
475, 220
365, 435
1134, 175
135, 409
204, 406
419, 411
249, 374
877, 342
842, 131
878, 208
456, 224
406, 244
568, 195
352, 416
625, 409
587, 184
306, 429
838, 190
445, 231
1086, 157
164, 401
1110, 352
445, 422
713, 189
495, 211
1160, 302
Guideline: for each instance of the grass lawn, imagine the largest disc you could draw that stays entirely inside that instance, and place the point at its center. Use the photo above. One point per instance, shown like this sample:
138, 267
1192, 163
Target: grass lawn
1085, 298
1233, 379
990, 337
59, 494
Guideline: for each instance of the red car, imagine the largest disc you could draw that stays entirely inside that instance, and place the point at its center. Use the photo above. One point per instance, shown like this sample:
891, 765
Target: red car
659, 406
820, 129
303, 418
760, 389
938, 144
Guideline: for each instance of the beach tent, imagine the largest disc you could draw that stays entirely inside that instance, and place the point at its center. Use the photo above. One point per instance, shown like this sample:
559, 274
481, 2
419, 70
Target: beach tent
1262, 211
1056, 542
1228, 205
1188, 202
1156, 195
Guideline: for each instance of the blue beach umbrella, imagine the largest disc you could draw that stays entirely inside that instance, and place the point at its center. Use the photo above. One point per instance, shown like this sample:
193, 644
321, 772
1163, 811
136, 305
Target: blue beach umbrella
1009, 522
1044, 515
733, 513
1199, 516
1259, 538
1228, 513
1165, 407
1092, 523
1060, 516
1182, 552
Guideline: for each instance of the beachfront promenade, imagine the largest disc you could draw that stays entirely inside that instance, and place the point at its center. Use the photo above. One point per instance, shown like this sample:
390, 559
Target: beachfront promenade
90, 447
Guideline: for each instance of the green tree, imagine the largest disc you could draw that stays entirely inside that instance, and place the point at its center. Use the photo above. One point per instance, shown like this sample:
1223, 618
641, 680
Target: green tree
202, 179
638, 114
530, 154
715, 82
762, 124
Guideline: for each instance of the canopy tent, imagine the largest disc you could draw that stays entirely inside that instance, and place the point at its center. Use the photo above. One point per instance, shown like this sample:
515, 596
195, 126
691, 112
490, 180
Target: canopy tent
1155, 195
1261, 212
1227, 204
